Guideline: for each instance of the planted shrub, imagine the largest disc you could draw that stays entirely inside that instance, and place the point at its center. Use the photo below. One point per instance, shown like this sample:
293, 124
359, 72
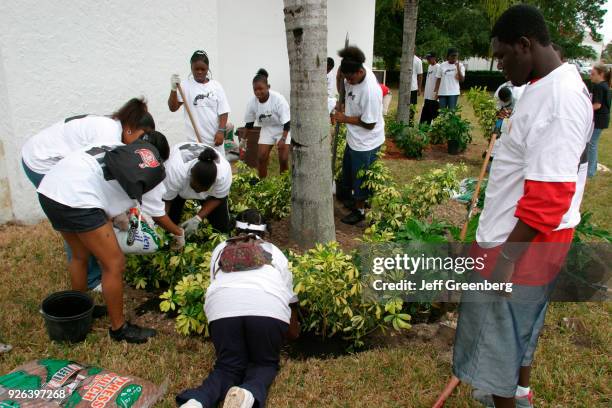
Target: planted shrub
410, 139
485, 109
452, 128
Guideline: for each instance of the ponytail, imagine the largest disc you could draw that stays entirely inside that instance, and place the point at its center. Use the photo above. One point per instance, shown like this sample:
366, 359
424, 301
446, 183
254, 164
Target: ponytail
135, 115
204, 172
261, 76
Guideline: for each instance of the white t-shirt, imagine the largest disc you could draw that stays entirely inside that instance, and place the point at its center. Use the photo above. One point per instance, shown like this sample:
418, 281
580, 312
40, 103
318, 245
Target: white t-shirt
45, 149
271, 115
182, 158
266, 291
78, 182
430, 84
331, 91
417, 69
206, 101
449, 84
548, 132
365, 100
517, 91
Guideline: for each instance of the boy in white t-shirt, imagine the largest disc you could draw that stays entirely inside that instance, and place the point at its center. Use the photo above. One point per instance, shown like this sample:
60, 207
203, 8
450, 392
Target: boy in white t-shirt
363, 115
271, 110
207, 102
450, 74
416, 84
431, 105
531, 208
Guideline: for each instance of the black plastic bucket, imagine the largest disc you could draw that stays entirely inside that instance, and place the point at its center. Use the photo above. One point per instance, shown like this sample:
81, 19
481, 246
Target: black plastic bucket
68, 315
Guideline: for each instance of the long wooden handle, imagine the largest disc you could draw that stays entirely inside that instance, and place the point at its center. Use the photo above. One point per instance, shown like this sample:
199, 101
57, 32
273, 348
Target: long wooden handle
483, 170
186, 105
448, 390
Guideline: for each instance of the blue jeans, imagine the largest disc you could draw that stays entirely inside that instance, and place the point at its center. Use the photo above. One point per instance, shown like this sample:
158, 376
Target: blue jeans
94, 272
352, 162
448, 101
592, 152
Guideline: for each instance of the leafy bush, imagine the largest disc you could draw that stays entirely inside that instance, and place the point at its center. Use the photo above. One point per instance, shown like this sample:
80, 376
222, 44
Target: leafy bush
586, 231
392, 206
331, 300
340, 152
187, 298
485, 109
410, 139
449, 125
271, 196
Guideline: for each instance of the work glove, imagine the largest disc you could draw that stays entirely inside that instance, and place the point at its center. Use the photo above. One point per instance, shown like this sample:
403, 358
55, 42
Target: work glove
178, 241
174, 81
191, 225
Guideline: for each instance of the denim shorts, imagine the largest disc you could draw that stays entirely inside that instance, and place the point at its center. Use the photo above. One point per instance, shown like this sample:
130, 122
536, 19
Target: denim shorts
352, 162
67, 219
496, 336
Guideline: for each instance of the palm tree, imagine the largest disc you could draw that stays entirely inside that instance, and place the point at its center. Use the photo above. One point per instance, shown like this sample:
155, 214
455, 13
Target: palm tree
312, 217
410, 23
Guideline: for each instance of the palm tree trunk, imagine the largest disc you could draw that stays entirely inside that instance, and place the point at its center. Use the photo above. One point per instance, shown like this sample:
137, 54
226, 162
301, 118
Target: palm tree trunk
312, 216
410, 24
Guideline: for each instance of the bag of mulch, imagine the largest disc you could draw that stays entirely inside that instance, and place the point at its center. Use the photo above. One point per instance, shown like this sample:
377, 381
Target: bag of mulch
140, 238
62, 383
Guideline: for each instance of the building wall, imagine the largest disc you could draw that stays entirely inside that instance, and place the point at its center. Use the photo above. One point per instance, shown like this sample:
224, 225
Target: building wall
66, 57
63, 58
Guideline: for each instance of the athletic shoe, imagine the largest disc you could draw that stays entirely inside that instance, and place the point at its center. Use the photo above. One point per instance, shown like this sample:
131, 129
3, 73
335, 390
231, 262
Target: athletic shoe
192, 403
353, 218
99, 311
487, 399
132, 333
238, 397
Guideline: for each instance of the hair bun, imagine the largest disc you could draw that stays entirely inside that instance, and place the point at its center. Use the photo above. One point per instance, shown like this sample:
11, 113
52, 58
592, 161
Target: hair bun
353, 54
208, 155
262, 72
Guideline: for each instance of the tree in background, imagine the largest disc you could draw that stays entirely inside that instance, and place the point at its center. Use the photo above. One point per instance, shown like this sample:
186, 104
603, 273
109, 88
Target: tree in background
606, 55
411, 8
466, 24
493, 10
312, 216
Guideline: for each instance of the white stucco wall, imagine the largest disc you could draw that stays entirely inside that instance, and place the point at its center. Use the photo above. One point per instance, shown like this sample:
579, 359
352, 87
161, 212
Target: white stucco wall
63, 58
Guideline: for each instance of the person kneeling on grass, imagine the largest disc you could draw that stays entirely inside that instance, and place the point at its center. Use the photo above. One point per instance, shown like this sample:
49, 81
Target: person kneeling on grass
251, 308
82, 193
271, 110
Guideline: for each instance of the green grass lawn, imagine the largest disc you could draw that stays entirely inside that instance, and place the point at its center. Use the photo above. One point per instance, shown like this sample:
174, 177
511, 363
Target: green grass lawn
572, 367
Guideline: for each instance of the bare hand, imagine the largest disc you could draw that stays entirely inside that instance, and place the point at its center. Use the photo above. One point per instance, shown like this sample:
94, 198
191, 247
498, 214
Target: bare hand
219, 138
340, 117
281, 142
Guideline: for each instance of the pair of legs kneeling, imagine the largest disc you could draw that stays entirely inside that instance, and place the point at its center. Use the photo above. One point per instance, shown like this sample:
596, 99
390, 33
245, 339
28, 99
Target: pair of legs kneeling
248, 353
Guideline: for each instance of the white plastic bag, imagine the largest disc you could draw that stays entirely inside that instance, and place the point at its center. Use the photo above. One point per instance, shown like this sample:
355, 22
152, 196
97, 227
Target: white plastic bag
146, 240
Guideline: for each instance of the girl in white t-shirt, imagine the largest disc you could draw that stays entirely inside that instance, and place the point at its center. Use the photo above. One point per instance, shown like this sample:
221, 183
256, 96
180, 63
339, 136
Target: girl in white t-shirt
45, 149
271, 110
449, 76
82, 193
250, 310
197, 172
207, 102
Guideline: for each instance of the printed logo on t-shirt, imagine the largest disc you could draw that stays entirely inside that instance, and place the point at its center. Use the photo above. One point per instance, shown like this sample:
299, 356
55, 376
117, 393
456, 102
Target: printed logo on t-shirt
148, 158
203, 97
265, 116
351, 95
190, 151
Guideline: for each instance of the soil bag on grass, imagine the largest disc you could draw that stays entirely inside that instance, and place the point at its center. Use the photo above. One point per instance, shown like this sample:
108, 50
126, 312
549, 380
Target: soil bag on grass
141, 240
63, 383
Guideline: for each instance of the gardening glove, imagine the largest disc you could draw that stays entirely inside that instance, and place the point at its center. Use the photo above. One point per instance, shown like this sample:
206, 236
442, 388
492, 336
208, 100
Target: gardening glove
178, 241
191, 225
121, 222
174, 81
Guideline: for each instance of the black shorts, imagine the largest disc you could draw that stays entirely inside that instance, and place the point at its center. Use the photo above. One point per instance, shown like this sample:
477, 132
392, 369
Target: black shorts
68, 219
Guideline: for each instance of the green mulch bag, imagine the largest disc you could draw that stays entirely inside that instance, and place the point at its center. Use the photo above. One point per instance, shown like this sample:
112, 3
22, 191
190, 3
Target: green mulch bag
63, 383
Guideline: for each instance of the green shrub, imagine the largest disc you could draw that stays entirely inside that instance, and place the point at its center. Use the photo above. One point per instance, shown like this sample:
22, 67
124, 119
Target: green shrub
449, 125
328, 285
187, 298
271, 196
485, 109
410, 139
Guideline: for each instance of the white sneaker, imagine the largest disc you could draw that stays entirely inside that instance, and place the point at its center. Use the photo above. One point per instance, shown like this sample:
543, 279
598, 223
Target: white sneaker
98, 288
238, 397
192, 403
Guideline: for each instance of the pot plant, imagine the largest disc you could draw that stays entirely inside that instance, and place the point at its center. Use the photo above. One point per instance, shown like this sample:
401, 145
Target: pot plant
454, 129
